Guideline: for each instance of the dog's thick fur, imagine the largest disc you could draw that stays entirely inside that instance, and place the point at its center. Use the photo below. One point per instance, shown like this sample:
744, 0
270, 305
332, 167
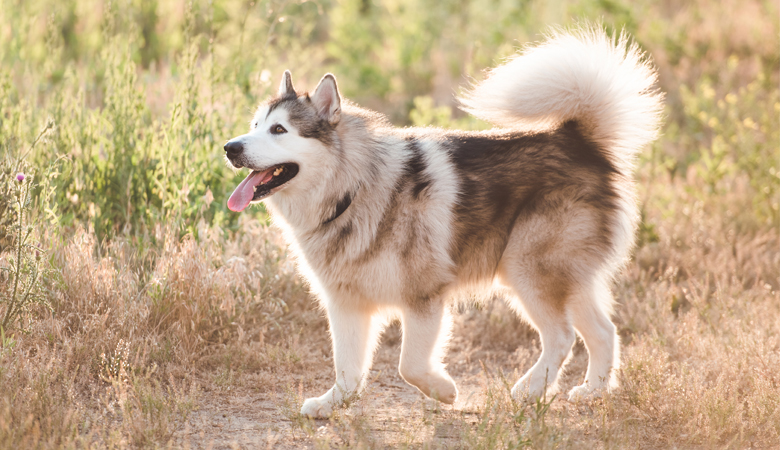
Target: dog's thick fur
389, 222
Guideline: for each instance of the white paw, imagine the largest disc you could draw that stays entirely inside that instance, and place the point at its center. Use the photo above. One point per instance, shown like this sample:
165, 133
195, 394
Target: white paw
585, 392
437, 385
529, 388
318, 407
443, 389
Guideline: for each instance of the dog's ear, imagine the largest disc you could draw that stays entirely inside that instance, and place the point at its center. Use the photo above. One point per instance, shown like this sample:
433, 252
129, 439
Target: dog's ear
286, 87
326, 99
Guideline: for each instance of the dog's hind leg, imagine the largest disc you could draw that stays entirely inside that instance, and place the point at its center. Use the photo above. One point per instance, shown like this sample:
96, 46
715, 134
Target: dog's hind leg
557, 336
600, 337
425, 336
355, 333
543, 297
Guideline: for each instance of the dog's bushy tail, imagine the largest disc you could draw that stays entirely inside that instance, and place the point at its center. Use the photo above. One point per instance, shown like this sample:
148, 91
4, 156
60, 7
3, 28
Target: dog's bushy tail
605, 84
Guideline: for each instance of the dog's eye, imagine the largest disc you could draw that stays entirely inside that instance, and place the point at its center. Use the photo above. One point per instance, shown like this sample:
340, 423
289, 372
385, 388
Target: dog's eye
278, 129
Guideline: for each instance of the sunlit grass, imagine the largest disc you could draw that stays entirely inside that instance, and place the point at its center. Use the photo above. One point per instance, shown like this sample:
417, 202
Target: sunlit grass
161, 297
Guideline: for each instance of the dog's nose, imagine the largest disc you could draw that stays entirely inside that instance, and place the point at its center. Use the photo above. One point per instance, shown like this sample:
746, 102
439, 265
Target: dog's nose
234, 148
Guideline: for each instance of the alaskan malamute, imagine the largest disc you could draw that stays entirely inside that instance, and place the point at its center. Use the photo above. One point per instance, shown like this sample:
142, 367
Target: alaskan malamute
395, 222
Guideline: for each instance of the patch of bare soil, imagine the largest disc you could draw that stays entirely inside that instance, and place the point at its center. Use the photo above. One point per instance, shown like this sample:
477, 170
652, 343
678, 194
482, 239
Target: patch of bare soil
252, 414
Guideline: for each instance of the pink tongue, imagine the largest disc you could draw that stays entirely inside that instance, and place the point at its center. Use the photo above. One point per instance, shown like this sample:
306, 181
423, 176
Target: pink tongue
243, 194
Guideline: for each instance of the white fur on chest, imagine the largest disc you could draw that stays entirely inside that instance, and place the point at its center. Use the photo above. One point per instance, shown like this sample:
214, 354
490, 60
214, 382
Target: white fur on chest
377, 263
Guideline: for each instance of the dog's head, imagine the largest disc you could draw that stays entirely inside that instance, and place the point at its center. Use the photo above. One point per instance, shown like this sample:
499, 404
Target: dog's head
286, 136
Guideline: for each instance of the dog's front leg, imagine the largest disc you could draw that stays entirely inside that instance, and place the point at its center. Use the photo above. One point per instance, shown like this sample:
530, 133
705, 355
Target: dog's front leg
355, 332
426, 332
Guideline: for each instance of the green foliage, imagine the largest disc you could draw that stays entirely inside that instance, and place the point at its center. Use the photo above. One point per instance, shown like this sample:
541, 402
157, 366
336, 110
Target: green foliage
20, 273
733, 132
144, 92
20, 286
425, 113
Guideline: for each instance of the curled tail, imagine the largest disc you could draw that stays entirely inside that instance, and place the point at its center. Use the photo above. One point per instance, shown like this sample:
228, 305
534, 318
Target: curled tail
605, 84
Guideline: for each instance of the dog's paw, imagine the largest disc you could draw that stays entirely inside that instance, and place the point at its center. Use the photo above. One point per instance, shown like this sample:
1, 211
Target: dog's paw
529, 388
443, 389
317, 407
585, 392
436, 385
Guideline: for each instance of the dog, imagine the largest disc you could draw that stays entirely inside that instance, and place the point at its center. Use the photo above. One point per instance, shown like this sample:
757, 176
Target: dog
392, 222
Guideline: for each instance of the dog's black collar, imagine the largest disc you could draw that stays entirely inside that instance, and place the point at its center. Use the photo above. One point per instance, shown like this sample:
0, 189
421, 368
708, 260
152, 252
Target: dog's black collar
341, 206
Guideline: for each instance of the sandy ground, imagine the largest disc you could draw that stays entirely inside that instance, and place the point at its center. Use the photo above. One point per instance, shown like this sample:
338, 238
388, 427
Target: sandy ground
391, 414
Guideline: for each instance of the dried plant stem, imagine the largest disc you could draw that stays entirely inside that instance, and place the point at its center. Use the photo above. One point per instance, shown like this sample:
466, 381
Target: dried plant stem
17, 271
18, 300
49, 126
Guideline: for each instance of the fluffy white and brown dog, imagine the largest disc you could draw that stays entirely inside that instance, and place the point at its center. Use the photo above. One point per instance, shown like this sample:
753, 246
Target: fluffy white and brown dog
395, 222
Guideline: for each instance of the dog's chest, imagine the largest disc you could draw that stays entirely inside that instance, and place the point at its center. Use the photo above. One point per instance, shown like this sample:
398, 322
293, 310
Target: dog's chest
348, 266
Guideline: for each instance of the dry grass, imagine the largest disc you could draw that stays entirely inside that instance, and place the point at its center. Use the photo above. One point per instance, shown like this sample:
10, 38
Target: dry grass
111, 364
699, 313
211, 340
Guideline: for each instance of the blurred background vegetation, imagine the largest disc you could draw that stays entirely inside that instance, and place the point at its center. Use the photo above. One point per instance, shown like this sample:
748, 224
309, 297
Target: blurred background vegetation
138, 284
143, 93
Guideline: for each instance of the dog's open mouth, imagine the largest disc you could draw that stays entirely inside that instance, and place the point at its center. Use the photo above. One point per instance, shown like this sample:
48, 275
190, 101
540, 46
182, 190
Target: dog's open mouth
260, 184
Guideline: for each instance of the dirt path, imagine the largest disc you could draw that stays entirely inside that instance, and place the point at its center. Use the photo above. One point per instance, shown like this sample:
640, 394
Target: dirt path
394, 414
391, 414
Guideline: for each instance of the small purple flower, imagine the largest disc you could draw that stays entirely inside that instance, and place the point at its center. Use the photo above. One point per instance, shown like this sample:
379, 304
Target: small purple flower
20, 177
